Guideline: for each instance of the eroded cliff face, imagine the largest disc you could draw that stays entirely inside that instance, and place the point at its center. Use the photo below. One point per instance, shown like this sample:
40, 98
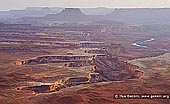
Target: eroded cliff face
102, 68
100, 64
112, 69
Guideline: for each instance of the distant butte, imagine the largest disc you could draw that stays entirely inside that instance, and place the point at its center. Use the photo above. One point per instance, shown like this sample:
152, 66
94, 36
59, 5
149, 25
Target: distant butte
73, 10
67, 14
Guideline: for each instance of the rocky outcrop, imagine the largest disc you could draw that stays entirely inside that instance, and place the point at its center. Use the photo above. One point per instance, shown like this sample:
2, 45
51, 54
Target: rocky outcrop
74, 59
102, 69
113, 69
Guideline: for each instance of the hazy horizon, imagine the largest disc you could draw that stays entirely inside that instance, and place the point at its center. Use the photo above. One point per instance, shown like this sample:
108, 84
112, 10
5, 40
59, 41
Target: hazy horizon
18, 4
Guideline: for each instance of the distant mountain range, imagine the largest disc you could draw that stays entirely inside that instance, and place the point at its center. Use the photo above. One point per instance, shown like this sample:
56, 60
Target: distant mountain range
29, 12
136, 16
43, 11
142, 15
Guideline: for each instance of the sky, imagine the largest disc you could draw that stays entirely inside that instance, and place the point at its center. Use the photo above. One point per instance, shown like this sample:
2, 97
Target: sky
21, 4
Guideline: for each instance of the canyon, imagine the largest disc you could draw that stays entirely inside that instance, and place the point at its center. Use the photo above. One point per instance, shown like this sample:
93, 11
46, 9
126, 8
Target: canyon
70, 57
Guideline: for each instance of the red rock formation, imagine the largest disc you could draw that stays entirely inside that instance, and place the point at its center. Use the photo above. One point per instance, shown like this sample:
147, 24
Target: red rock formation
113, 69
